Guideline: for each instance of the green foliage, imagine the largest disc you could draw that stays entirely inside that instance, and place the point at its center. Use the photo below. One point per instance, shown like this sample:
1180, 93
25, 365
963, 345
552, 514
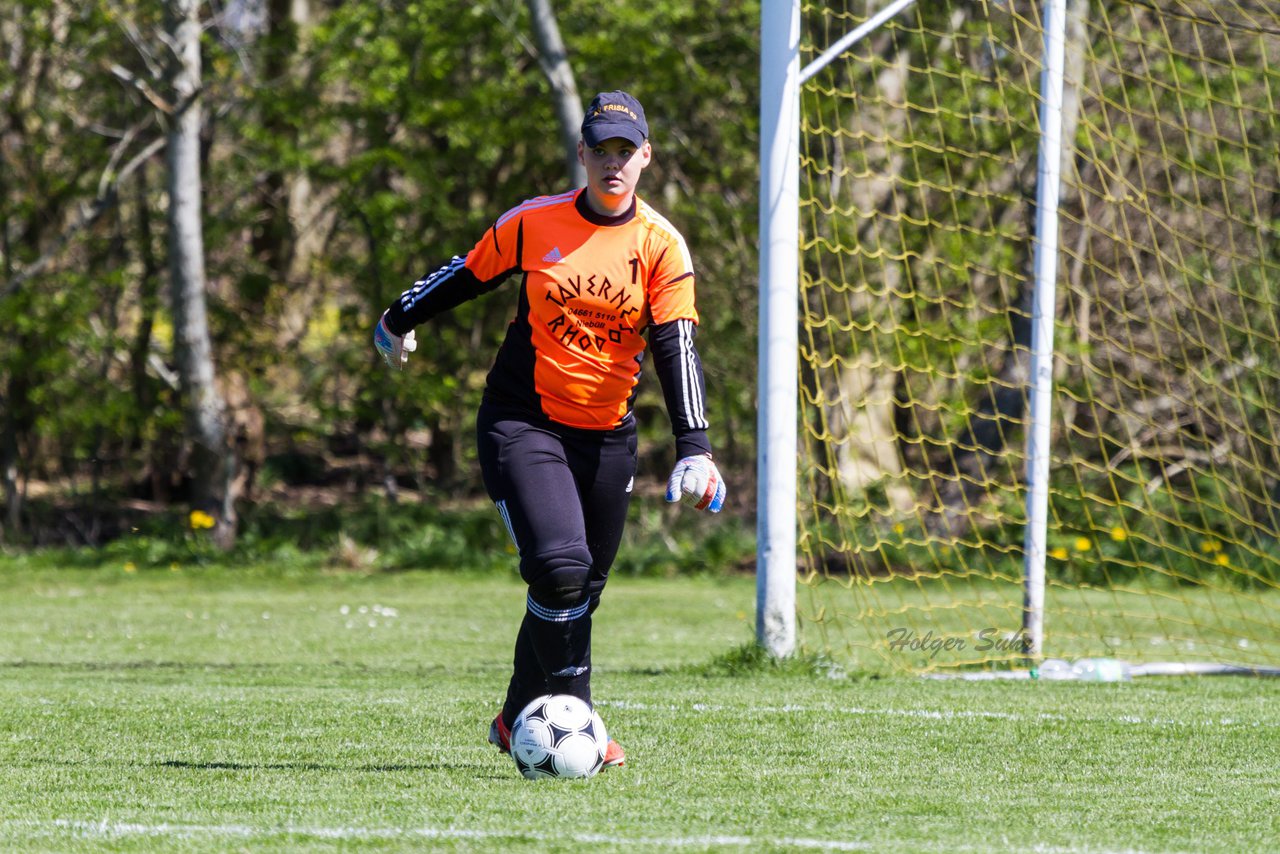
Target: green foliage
1187, 530
668, 540
370, 535
59, 330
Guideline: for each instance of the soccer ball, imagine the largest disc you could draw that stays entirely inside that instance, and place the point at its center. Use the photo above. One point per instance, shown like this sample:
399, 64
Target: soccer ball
558, 735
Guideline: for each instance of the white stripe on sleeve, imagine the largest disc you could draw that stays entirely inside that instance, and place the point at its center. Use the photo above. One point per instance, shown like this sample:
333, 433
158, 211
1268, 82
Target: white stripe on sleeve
423, 287
694, 404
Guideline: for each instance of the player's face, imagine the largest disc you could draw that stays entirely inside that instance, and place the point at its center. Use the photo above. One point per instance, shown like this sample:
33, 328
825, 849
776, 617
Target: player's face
613, 170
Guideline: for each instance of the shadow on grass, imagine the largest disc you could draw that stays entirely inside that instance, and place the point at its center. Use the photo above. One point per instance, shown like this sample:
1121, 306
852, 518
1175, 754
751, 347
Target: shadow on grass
479, 769
377, 768
254, 668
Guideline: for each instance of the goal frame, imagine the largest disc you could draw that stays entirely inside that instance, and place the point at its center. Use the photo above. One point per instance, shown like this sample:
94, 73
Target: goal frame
781, 79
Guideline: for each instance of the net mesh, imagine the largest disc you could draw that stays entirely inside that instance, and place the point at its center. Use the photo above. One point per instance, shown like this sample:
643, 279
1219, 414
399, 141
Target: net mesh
918, 179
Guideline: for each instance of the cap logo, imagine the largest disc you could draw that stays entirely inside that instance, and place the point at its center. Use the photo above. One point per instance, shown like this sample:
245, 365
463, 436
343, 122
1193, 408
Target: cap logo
619, 108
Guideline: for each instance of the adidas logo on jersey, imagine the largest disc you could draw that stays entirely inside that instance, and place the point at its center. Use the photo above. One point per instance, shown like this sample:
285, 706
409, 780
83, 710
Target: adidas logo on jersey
554, 256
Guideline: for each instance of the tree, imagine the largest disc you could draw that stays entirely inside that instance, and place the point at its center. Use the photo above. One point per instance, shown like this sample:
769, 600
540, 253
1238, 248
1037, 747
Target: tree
554, 62
213, 464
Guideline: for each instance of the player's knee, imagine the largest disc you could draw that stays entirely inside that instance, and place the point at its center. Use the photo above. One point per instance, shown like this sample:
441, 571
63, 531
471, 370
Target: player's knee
558, 579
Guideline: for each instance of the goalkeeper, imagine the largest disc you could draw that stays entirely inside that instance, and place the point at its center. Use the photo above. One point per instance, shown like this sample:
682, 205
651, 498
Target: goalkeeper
600, 270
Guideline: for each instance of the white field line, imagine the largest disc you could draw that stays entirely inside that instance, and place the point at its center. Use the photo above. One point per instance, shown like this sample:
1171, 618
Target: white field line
113, 830
118, 829
943, 715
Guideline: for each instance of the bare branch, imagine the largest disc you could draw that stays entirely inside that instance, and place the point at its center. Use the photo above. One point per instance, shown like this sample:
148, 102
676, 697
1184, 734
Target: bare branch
217, 24
126, 76
117, 153
1217, 454
148, 57
514, 31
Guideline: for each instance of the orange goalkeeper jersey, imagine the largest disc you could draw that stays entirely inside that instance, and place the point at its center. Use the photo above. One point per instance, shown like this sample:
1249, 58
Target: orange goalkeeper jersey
591, 286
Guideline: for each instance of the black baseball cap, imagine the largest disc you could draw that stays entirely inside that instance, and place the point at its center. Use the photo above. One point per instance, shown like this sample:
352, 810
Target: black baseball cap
614, 114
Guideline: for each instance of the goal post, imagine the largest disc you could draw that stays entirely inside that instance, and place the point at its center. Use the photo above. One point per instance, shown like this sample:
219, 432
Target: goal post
1043, 302
779, 324
780, 81
949, 190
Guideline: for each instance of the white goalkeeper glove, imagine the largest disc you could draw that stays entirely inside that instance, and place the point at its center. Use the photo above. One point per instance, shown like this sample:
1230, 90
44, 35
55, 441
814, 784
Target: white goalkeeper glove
395, 349
697, 480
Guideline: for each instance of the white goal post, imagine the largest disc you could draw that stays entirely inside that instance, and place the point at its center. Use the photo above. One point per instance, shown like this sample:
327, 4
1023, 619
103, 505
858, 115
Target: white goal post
779, 319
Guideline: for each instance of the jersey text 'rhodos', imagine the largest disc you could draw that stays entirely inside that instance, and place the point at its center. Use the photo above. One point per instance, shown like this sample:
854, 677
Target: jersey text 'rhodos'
591, 286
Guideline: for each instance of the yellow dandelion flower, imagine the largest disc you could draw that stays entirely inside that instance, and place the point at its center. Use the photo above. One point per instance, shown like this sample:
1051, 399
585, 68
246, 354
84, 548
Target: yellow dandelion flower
1222, 560
899, 528
1083, 544
200, 519
1119, 534
130, 567
1058, 554
173, 567
1210, 546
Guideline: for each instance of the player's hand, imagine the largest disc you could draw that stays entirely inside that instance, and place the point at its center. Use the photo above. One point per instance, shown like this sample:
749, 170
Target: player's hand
697, 480
395, 349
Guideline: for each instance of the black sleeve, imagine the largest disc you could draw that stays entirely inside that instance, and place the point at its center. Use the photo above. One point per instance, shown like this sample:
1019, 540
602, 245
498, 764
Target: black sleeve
449, 287
679, 370
446, 288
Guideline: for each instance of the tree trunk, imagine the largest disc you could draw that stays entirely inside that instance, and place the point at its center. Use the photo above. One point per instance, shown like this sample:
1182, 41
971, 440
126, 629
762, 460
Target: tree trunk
303, 210
149, 279
15, 402
554, 62
274, 236
290, 233
212, 462
8, 437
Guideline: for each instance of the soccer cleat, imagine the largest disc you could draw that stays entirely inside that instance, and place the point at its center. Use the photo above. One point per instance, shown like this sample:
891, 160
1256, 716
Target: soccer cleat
614, 757
500, 736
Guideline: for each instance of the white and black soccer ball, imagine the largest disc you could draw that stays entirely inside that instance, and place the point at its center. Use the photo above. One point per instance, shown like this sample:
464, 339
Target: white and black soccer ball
558, 735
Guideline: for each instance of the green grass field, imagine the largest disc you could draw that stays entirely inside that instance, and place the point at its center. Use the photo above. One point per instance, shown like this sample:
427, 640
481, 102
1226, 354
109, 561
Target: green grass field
265, 709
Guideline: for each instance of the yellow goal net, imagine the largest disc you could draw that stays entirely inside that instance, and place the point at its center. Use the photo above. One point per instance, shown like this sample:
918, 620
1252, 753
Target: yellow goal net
918, 182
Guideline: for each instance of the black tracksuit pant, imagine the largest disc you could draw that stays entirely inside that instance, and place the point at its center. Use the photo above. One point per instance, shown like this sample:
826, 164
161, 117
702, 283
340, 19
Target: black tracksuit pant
563, 493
